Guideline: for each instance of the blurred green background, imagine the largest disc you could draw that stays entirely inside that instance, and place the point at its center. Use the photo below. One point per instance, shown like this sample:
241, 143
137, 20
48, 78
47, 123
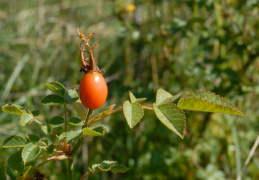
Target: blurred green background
181, 46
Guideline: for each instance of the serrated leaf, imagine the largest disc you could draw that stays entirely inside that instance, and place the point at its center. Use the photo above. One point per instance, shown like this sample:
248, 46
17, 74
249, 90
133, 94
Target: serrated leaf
26, 119
30, 152
133, 99
70, 135
71, 96
46, 128
2, 170
56, 87
74, 121
207, 102
119, 168
50, 149
52, 99
172, 117
14, 142
98, 117
57, 121
12, 109
15, 162
164, 97
97, 131
133, 113
33, 138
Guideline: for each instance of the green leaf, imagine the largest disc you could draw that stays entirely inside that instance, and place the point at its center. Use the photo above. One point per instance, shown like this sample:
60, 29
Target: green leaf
2, 170
133, 113
35, 113
14, 142
52, 99
71, 96
33, 138
30, 152
15, 162
96, 131
74, 121
57, 121
133, 99
13, 109
98, 117
56, 87
50, 149
80, 109
46, 128
207, 102
119, 168
26, 119
108, 166
103, 166
172, 117
70, 135
164, 97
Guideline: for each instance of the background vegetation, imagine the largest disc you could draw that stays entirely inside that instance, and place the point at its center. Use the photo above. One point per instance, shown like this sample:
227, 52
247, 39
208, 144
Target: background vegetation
181, 46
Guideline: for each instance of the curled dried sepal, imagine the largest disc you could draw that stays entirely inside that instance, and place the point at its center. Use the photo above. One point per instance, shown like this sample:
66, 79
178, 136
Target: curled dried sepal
87, 64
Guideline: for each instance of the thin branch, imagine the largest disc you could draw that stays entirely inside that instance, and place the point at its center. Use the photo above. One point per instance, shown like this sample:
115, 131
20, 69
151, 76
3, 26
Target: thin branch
148, 108
89, 173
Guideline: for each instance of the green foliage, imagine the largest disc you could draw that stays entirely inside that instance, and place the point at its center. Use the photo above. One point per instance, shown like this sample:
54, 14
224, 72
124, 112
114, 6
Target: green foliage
15, 162
168, 113
181, 46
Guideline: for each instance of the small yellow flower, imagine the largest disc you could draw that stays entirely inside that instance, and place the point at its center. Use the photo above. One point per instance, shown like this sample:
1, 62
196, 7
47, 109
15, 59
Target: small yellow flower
130, 8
